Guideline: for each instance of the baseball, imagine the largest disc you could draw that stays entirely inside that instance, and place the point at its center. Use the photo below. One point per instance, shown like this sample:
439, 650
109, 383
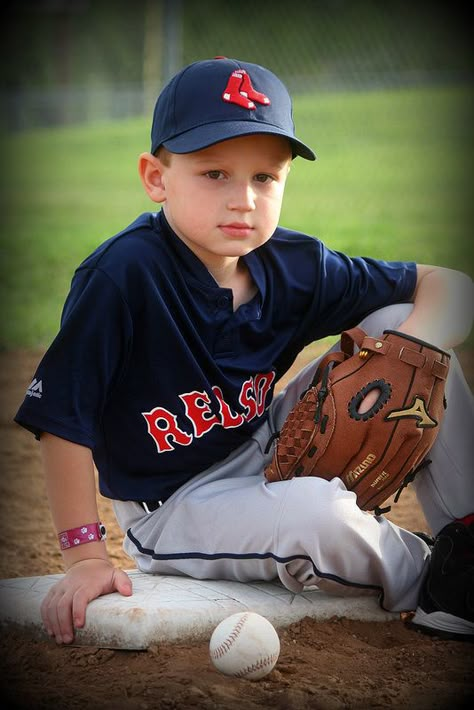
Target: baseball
245, 645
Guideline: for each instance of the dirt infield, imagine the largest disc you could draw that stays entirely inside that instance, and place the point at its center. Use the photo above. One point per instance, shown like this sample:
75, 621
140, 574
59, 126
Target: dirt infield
326, 665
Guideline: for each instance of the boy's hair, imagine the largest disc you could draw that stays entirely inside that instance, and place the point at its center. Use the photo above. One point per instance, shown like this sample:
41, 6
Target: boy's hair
214, 100
163, 155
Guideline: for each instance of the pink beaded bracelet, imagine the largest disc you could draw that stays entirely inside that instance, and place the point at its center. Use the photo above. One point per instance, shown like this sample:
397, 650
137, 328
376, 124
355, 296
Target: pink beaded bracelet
92, 532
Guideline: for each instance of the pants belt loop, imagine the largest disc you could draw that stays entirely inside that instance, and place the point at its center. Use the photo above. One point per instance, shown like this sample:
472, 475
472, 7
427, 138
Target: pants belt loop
150, 507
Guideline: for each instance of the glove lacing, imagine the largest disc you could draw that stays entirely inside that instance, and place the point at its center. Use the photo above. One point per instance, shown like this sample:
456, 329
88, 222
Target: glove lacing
409, 478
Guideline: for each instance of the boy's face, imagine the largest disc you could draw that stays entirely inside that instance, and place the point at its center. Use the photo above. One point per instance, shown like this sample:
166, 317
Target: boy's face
225, 201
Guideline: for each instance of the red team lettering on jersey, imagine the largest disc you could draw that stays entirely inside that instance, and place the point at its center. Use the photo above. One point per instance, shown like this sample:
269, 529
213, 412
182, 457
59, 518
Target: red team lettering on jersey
163, 425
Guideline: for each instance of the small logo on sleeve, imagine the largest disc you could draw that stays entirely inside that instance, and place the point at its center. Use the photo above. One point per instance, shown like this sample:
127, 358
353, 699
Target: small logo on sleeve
35, 389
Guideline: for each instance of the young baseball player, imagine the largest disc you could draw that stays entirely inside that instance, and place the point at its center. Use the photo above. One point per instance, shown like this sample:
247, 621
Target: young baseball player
172, 339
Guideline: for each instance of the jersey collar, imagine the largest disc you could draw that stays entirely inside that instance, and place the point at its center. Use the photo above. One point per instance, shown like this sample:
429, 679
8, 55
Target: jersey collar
198, 271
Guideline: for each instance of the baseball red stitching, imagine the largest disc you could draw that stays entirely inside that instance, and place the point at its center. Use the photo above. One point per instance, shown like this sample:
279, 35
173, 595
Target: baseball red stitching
222, 649
267, 661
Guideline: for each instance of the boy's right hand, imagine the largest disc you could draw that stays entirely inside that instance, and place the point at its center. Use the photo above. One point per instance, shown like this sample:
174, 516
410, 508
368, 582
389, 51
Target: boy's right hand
64, 607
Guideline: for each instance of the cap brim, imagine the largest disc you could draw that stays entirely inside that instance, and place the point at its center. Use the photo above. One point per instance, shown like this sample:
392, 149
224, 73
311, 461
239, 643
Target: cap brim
211, 133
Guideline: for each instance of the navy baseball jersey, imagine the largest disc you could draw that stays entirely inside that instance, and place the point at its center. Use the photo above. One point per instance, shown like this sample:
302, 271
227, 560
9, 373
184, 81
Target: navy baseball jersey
155, 372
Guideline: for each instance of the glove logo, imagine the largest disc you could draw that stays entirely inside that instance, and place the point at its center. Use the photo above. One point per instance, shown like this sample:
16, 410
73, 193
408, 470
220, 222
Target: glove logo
417, 410
354, 474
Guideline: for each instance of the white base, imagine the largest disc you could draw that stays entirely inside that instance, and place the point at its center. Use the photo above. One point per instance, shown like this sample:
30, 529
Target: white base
174, 609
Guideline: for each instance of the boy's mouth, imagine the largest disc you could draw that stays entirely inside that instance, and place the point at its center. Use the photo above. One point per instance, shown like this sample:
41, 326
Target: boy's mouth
236, 229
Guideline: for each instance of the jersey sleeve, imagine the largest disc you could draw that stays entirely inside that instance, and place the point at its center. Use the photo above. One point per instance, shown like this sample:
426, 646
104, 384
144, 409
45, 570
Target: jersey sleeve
71, 384
349, 288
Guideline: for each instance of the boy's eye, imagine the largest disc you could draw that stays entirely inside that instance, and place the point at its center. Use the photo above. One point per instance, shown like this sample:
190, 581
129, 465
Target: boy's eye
263, 177
214, 174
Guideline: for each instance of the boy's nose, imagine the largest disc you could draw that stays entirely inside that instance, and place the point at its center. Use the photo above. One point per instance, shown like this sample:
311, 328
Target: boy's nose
242, 197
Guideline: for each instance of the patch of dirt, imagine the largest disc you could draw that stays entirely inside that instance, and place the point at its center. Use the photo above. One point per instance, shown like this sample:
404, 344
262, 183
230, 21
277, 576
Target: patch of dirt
327, 665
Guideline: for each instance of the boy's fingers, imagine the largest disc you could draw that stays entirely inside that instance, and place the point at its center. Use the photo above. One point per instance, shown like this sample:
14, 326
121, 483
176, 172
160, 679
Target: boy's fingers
64, 613
123, 583
120, 582
80, 601
56, 616
49, 615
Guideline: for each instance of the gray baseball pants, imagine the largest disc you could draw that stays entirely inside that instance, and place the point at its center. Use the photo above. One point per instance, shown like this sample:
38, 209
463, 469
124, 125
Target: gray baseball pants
230, 523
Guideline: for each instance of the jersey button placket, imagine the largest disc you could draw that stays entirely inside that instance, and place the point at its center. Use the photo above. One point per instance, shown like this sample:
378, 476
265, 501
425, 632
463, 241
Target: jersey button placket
223, 302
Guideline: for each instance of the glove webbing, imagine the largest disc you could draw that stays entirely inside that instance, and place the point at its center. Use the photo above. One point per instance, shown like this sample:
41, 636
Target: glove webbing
322, 394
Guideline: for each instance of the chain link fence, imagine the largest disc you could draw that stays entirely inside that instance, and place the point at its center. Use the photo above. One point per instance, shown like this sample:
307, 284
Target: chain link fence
383, 94
87, 60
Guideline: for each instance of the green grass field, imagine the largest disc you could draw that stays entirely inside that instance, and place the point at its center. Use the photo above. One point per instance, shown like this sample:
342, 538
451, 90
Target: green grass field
391, 181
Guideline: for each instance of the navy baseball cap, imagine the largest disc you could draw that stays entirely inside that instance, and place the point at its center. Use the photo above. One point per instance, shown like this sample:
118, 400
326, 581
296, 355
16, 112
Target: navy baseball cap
217, 99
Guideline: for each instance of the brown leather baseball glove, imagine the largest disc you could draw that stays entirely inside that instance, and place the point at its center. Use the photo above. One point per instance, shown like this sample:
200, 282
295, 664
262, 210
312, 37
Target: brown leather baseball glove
375, 452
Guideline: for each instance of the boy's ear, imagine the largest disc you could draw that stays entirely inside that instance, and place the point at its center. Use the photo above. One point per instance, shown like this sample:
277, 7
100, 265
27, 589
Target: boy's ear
150, 169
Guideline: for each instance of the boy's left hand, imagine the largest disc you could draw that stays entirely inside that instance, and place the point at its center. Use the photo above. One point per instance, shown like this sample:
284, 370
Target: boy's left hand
64, 608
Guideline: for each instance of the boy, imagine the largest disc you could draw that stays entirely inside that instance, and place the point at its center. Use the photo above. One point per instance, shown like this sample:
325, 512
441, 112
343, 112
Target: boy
172, 338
